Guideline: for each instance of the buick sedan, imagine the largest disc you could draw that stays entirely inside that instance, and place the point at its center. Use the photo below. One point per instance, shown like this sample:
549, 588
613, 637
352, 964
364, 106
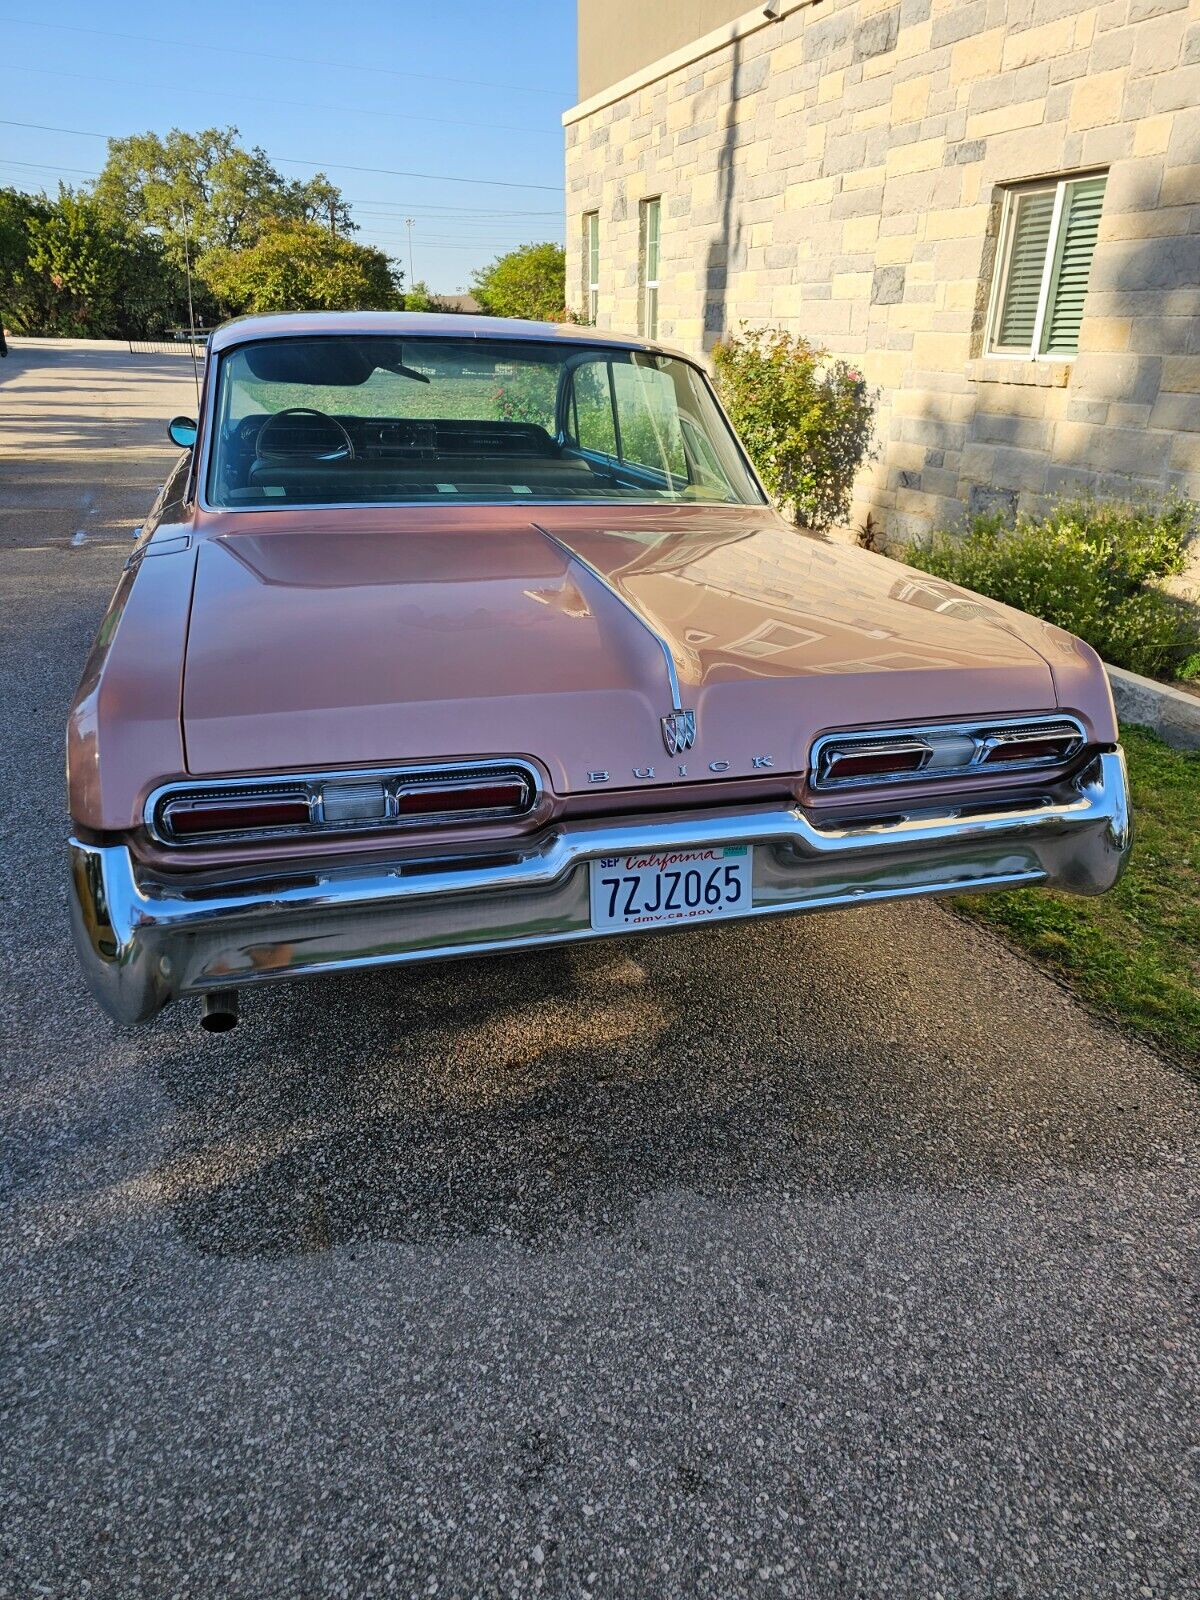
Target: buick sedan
451, 635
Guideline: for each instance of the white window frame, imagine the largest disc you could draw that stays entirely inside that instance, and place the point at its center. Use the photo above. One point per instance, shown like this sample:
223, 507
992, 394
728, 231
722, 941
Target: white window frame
1012, 196
649, 284
591, 264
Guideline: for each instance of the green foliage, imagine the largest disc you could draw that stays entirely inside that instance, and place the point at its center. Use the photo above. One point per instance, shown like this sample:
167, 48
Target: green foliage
206, 184
78, 261
805, 418
1089, 567
418, 298
296, 266
1132, 953
527, 282
528, 396
19, 290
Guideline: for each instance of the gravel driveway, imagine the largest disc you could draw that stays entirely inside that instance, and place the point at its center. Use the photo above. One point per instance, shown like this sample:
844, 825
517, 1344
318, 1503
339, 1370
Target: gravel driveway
844, 1256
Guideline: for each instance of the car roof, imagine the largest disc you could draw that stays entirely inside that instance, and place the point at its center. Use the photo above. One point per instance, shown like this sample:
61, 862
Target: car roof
416, 324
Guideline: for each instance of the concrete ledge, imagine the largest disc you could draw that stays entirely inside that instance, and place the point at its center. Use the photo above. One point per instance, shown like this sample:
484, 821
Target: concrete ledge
1171, 713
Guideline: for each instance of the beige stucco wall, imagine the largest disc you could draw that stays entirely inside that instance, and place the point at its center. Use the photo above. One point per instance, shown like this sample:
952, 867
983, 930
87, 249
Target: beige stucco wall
616, 37
838, 172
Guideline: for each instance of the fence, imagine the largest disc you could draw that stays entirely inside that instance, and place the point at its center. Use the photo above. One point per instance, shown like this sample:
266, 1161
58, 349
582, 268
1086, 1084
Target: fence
175, 341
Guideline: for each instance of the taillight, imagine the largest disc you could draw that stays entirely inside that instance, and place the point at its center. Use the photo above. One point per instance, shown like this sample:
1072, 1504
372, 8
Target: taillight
347, 802
1030, 744
190, 819
849, 761
949, 750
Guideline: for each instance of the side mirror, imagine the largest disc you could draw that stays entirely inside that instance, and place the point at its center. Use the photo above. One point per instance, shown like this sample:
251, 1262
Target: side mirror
182, 431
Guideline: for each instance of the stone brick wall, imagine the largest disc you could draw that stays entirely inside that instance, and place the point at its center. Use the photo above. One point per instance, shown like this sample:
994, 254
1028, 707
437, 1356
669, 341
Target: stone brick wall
839, 172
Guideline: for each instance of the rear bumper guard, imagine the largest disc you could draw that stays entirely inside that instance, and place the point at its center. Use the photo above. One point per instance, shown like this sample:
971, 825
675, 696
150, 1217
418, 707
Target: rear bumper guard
144, 939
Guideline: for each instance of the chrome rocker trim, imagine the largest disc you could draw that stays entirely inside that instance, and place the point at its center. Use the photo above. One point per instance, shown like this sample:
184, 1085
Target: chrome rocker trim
144, 940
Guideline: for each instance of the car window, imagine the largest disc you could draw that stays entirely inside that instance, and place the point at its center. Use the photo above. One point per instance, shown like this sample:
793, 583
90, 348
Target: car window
593, 410
353, 420
648, 418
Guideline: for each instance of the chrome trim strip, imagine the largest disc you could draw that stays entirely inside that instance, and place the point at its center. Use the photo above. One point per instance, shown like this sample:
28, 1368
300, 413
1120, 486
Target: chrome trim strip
271, 782
145, 938
981, 729
611, 588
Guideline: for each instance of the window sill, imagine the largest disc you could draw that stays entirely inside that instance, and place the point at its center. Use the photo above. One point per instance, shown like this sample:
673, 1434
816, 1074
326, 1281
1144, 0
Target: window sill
1041, 374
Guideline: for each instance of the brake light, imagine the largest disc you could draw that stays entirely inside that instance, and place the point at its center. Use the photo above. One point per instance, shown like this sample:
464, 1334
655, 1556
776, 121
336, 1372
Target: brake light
192, 818
1055, 745
875, 761
434, 798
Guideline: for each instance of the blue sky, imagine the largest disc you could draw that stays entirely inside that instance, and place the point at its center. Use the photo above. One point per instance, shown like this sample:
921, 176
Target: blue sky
461, 90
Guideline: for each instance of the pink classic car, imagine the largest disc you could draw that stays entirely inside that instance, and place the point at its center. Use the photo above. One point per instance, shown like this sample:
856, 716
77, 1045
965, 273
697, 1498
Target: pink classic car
450, 635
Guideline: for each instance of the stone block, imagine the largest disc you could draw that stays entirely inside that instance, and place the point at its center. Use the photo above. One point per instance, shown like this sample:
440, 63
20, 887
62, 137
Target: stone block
1181, 375
1006, 118
1047, 43
960, 22
965, 153
1097, 100
1178, 90
921, 156
877, 34
910, 100
984, 500
978, 56
1181, 187
887, 288
1141, 10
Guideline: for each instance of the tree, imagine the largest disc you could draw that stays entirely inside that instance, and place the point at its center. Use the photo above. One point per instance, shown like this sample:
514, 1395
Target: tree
227, 194
19, 290
77, 260
527, 282
298, 266
318, 200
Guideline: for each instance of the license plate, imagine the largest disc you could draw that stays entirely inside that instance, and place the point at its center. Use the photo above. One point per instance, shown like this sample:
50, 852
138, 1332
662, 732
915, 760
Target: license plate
660, 886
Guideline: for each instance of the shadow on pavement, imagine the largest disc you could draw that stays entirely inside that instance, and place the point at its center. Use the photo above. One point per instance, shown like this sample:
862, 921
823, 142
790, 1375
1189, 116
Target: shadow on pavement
527, 1095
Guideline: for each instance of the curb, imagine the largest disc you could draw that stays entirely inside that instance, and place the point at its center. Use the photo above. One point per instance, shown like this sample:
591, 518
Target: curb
1171, 713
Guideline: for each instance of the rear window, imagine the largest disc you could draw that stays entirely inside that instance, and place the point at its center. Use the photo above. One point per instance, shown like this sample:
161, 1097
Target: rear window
337, 420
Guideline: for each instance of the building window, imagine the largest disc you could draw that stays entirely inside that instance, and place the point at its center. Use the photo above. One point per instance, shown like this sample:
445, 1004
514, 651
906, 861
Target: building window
651, 214
1047, 240
591, 264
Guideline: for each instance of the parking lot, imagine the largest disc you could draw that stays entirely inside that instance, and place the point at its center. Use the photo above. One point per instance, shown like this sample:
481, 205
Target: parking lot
837, 1256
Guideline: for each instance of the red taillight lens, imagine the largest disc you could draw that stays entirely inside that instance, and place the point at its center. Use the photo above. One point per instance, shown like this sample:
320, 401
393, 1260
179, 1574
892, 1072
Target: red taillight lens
1055, 748
189, 819
881, 762
433, 799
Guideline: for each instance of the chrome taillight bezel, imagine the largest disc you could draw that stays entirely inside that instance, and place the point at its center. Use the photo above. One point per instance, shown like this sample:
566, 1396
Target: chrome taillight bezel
984, 734
395, 780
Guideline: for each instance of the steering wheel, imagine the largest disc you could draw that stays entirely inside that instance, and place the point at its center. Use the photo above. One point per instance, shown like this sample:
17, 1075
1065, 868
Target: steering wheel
343, 450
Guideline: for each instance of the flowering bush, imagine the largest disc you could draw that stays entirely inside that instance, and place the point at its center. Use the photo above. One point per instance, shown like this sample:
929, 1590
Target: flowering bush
805, 418
1090, 567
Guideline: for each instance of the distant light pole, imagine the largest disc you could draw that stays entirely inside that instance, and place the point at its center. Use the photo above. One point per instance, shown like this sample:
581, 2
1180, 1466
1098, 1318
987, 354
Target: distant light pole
409, 223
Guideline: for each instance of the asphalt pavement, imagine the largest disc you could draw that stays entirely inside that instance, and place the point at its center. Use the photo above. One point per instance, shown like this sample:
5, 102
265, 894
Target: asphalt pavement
839, 1256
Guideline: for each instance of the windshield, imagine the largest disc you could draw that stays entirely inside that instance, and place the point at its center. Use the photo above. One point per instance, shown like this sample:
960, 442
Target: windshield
340, 420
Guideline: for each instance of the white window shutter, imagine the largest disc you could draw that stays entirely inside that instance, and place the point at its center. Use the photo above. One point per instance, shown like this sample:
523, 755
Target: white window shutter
1077, 246
1026, 266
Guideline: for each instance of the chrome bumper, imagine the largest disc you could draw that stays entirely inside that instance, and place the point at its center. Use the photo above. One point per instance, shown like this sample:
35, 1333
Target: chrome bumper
145, 940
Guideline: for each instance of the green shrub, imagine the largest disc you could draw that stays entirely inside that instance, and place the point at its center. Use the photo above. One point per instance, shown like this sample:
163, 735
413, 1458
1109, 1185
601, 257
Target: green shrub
805, 418
1087, 566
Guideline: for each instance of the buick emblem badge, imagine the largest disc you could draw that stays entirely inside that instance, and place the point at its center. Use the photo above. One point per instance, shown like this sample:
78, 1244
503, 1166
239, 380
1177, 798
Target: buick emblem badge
679, 731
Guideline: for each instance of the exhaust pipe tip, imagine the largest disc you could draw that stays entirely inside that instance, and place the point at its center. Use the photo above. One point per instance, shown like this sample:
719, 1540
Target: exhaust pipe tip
219, 1011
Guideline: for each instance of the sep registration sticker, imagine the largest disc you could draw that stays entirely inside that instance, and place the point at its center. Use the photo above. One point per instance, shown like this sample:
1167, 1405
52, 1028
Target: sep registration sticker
655, 887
